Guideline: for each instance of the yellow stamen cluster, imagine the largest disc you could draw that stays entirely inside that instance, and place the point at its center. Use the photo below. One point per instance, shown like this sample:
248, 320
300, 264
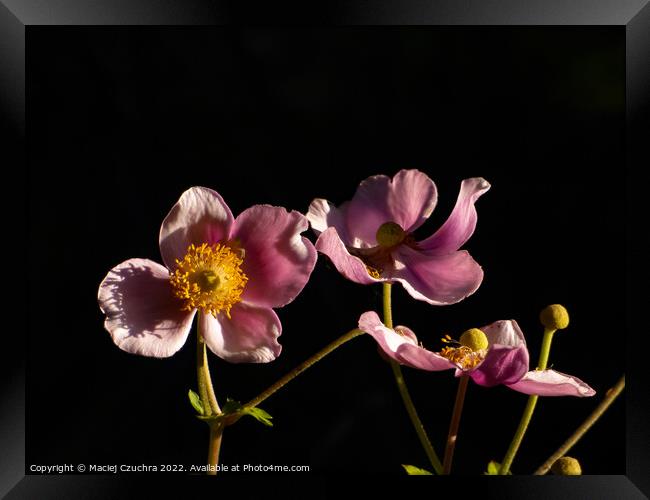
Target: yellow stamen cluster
373, 272
464, 356
209, 278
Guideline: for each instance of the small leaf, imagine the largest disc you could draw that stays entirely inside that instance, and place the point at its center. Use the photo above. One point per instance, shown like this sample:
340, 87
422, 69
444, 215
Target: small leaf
493, 469
259, 415
195, 401
412, 470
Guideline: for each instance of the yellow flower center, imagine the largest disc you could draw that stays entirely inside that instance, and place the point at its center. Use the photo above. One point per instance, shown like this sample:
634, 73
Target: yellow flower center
209, 278
471, 349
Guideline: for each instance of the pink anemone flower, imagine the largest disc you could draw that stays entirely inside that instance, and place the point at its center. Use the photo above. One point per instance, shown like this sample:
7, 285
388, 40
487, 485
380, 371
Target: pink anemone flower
369, 239
495, 354
232, 271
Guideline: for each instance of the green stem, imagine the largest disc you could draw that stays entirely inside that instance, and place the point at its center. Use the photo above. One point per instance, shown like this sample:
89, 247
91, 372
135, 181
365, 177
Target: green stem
206, 390
388, 309
208, 401
415, 419
610, 396
546, 348
454, 424
216, 434
530, 407
404, 392
303, 366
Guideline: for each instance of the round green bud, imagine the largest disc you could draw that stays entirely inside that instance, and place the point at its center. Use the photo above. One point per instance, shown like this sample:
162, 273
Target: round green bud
554, 317
475, 339
390, 234
566, 466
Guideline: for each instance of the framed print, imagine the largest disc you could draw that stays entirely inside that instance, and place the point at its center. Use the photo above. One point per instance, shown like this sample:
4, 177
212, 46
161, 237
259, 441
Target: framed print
228, 224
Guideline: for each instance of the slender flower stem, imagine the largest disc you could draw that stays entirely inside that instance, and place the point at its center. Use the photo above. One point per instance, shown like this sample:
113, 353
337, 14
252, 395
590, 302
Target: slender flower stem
208, 401
546, 348
415, 419
404, 392
206, 391
530, 407
303, 366
610, 396
388, 309
454, 424
216, 434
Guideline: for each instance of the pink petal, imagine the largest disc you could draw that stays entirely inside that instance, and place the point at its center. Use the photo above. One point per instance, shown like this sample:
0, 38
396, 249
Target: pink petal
422, 359
408, 199
437, 279
402, 348
461, 223
323, 214
388, 339
277, 260
552, 383
199, 216
348, 265
502, 365
142, 315
250, 336
505, 333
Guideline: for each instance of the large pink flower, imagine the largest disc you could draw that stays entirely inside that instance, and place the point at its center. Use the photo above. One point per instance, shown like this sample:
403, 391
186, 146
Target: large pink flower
232, 271
369, 239
504, 360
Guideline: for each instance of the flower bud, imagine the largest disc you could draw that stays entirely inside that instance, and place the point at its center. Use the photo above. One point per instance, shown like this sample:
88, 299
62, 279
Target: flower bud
554, 317
566, 466
475, 339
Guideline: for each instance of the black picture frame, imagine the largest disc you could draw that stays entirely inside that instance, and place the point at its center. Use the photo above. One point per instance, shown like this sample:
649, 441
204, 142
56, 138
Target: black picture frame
16, 19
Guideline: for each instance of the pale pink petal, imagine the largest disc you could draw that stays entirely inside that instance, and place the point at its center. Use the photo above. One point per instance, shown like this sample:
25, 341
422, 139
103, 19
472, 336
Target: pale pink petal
389, 340
199, 216
437, 279
422, 359
408, 199
249, 336
277, 260
403, 346
348, 265
504, 332
502, 365
405, 331
323, 214
461, 223
142, 315
552, 383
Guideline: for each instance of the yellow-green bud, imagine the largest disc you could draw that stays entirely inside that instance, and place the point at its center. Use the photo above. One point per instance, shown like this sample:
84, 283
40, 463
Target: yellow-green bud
475, 339
566, 466
390, 234
554, 317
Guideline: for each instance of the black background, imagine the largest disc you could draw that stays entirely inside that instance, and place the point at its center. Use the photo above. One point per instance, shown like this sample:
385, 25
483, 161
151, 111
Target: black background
122, 120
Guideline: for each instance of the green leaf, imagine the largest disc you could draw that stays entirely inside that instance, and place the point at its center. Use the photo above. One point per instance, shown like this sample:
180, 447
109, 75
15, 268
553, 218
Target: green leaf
195, 401
258, 414
493, 469
412, 470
